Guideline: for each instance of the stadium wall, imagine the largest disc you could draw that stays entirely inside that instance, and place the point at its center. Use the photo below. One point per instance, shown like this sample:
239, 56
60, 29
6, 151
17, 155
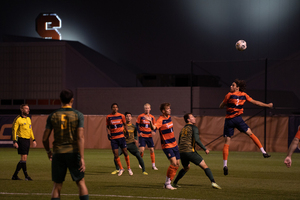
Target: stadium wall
211, 128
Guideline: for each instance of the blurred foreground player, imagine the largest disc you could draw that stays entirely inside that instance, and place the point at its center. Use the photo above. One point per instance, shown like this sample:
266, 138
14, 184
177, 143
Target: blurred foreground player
189, 135
234, 102
21, 134
293, 146
68, 146
168, 142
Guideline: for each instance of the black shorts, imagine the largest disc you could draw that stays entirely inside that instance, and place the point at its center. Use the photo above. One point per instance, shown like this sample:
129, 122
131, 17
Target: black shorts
24, 145
63, 161
188, 157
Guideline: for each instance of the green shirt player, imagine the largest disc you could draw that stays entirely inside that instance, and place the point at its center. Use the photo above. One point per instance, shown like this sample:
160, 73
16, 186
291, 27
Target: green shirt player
131, 138
68, 146
189, 135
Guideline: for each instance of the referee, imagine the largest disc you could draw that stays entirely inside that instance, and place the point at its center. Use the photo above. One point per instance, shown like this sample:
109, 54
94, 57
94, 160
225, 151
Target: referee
21, 134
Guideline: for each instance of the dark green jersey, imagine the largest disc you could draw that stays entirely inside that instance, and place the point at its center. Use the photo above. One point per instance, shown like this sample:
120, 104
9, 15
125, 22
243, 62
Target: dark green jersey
132, 133
65, 122
189, 135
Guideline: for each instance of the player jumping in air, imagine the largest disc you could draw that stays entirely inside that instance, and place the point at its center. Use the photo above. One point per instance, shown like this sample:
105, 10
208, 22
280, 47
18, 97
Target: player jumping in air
234, 102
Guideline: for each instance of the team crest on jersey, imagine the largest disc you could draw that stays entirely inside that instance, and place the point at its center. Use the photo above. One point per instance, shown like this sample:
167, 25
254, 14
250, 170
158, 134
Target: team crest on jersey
25, 123
29, 126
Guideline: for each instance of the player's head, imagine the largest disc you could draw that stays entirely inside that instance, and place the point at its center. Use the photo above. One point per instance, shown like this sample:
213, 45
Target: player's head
240, 85
114, 107
165, 108
147, 108
128, 116
189, 118
66, 96
24, 108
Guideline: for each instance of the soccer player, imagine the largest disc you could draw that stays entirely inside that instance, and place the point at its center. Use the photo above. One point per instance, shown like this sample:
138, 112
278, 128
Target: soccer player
115, 123
145, 133
68, 146
168, 142
293, 146
21, 134
189, 135
131, 138
234, 102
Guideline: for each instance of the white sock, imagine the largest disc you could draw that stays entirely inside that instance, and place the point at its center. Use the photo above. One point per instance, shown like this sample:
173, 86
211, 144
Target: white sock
168, 181
224, 163
153, 164
262, 150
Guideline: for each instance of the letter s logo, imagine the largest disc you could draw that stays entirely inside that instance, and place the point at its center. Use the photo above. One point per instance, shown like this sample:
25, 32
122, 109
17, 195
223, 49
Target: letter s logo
47, 25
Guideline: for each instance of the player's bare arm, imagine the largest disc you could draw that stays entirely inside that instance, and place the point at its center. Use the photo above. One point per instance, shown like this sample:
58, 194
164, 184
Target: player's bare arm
80, 140
151, 124
46, 136
293, 146
222, 105
261, 104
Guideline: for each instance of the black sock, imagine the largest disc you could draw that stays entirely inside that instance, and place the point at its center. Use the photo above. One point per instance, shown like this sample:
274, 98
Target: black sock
24, 168
179, 176
18, 168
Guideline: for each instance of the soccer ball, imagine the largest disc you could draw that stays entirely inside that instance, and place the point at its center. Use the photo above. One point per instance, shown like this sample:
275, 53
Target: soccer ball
241, 45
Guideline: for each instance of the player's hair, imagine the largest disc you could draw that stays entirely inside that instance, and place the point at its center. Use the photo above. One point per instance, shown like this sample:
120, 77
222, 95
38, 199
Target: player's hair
21, 106
126, 113
186, 117
114, 104
163, 106
241, 84
65, 96
147, 104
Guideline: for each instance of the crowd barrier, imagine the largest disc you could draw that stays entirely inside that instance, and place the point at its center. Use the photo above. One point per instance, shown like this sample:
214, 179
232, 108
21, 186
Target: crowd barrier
210, 128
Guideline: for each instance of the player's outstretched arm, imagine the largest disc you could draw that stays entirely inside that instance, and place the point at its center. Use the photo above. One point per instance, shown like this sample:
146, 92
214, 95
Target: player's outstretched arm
261, 104
293, 146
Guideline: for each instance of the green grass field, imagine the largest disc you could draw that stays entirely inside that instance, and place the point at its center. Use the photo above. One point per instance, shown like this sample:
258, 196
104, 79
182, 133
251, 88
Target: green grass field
250, 177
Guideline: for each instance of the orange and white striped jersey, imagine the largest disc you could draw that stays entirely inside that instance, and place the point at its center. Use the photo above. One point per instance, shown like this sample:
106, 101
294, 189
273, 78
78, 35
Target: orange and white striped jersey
165, 127
115, 124
144, 125
234, 103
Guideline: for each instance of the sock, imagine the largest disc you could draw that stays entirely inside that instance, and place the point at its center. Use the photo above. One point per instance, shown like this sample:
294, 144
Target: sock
224, 163
24, 168
141, 161
127, 161
168, 181
209, 174
18, 168
225, 153
119, 162
116, 164
84, 197
256, 140
142, 154
171, 172
179, 176
152, 155
262, 150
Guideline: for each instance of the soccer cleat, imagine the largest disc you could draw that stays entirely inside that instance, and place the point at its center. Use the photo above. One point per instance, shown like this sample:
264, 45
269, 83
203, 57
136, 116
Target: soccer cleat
175, 185
115, 172
169, 187
120, 172
216, 186
140, 166
145, 173
28, 178
154, 168
15, 178
266, 155
130, 172
225, 169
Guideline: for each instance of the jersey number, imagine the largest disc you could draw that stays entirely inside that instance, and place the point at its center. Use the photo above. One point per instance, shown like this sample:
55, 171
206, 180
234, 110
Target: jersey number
63, 122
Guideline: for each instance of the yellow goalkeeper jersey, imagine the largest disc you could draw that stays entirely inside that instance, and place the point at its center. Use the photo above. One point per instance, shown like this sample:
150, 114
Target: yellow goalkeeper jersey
22, 128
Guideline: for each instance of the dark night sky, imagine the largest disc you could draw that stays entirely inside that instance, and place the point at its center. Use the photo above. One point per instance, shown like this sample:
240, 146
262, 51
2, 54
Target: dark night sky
163, 36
